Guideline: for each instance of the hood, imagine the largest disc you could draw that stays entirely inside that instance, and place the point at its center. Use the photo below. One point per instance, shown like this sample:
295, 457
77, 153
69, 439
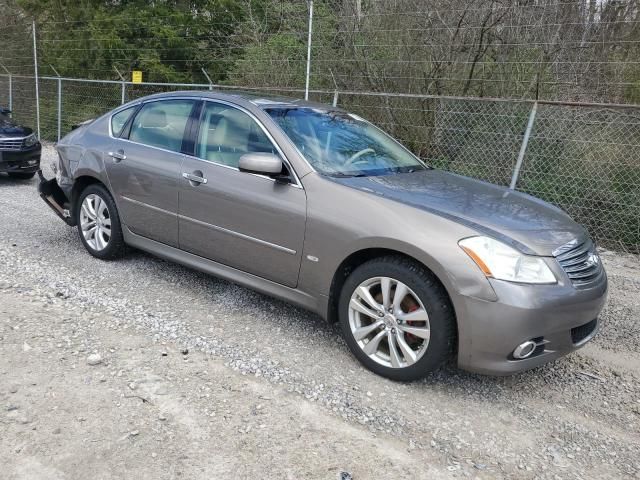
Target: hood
526, 222
10, 129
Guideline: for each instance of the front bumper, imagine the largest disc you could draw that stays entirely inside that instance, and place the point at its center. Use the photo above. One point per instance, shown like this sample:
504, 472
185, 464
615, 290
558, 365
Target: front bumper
558, 318
26, 161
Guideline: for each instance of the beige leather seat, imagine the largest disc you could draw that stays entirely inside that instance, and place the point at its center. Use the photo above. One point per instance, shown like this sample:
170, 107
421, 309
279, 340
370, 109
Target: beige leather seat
229, 140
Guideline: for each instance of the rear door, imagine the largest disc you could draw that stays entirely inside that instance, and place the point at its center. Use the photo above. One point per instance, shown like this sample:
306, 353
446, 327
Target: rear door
249, 222
143, 167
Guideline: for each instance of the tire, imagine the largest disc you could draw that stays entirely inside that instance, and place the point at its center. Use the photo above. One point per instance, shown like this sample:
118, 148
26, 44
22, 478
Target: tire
424, 293
100, 245
22, 175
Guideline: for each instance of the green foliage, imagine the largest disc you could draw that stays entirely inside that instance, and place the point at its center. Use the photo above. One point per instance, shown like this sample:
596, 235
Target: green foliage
274, 45
170, 40
278, 61
632, 92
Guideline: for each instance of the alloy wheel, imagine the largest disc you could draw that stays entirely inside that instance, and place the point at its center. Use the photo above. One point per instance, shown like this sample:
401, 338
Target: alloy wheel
389, 322
95, 222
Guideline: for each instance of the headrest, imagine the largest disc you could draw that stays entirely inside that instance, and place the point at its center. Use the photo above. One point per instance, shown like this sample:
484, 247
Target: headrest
155, 118
232, 130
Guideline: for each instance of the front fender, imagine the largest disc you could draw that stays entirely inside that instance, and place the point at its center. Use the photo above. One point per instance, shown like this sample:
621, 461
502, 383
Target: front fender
455, 270
342, 221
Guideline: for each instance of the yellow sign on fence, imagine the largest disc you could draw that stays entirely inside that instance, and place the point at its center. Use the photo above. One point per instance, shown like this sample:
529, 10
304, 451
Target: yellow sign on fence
136, 76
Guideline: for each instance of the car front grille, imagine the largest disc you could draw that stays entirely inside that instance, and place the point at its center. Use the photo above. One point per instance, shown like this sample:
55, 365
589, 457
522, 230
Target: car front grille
11, 143
581, 262
579, 334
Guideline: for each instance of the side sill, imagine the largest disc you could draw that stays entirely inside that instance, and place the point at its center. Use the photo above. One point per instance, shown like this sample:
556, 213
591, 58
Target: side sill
216, 269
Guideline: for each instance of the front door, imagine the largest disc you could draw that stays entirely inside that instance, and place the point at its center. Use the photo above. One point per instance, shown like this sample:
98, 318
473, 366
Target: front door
143, 167
249, 222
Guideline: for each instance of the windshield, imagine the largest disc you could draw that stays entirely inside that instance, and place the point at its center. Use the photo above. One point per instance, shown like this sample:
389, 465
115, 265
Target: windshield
341, 144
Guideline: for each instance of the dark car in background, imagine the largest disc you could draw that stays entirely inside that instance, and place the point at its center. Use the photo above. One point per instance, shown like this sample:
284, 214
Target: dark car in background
19, 148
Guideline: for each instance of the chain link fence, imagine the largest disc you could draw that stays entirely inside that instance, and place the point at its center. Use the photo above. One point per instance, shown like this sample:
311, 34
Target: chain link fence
583, 158
587, 161
19, 93
423, 70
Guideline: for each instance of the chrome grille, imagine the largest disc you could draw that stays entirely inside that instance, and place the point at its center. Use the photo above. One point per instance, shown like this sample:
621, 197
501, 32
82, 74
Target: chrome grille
11, 143
581, 262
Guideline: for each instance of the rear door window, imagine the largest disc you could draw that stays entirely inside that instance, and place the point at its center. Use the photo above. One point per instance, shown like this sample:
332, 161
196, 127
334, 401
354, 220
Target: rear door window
162, 124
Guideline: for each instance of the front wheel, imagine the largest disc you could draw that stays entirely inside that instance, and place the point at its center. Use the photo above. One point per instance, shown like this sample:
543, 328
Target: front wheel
397, 318
99, 224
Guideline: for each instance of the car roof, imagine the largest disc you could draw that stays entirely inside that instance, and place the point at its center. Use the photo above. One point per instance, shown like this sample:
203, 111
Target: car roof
255, 98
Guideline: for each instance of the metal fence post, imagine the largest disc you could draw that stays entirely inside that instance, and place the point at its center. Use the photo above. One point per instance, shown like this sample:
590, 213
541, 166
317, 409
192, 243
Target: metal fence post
59, 101
10, 86
123, 84
208, 78
523, 147
335, 92
35, 66
59, 107
306, 88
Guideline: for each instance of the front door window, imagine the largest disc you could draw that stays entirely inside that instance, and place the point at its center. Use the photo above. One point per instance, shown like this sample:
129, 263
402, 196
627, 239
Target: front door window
227, 133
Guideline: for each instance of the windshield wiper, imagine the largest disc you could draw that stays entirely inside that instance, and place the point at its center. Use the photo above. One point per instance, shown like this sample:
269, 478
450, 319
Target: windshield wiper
347, 175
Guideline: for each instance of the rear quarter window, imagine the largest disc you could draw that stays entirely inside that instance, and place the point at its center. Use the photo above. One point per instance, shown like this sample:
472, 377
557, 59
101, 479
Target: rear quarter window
119, 120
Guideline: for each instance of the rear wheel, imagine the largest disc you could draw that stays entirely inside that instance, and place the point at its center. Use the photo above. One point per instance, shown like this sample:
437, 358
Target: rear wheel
22, 175
99, 224
397, 318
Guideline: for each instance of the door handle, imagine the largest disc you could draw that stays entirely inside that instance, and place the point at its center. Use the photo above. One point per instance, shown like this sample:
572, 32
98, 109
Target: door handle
117, 156
194, 178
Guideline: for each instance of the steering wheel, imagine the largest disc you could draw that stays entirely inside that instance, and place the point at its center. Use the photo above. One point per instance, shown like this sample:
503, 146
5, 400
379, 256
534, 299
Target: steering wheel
353, 158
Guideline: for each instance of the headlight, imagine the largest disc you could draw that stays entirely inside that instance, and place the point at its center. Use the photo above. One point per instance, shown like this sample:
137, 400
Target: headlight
502, 262
31, 140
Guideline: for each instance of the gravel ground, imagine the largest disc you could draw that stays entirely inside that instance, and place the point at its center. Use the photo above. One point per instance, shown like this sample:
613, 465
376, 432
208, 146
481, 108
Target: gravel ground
576, 418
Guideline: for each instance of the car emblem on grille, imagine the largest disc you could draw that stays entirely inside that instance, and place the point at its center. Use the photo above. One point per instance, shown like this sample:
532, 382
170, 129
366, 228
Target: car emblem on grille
593, 259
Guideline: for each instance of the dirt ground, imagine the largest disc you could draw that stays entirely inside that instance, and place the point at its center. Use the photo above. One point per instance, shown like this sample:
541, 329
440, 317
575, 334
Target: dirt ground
152, 410
199, 378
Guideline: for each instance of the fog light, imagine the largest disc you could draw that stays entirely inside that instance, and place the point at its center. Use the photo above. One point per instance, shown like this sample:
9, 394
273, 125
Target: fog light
32, 162
524, 350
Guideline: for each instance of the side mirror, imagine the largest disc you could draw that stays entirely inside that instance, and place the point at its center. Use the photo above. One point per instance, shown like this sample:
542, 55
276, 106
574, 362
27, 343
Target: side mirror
262, 164
5, 111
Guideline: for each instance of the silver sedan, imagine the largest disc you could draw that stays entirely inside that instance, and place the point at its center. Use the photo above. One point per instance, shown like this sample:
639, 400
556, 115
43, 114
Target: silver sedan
317, 206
